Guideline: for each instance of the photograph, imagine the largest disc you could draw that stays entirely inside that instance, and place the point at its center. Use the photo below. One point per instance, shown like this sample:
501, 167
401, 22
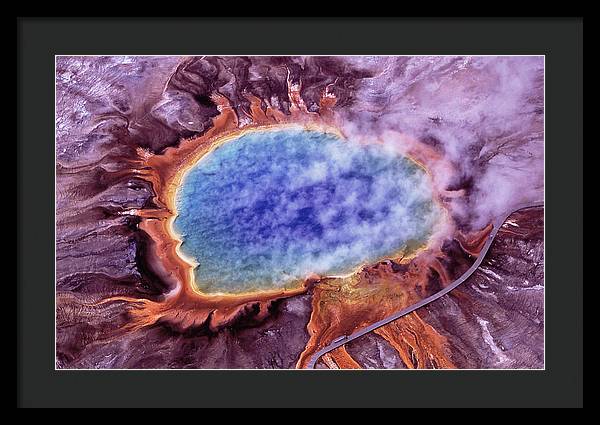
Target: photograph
312, 212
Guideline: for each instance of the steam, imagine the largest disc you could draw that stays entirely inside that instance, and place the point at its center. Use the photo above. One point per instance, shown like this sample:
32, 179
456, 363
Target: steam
277, 206
484, 113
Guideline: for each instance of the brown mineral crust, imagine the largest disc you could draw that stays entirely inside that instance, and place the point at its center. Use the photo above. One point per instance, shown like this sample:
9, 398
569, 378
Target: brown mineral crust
473, 242
267, 79
344, 305
417, 343
340, 359
493, 320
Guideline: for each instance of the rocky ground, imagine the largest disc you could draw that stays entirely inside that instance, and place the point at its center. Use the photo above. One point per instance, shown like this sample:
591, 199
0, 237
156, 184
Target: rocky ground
109, 110
495, 319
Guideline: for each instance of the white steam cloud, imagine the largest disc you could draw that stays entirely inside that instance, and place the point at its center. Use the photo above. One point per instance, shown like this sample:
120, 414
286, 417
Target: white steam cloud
484, 113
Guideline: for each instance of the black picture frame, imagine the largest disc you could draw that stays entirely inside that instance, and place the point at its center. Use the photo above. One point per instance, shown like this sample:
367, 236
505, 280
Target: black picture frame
559, 385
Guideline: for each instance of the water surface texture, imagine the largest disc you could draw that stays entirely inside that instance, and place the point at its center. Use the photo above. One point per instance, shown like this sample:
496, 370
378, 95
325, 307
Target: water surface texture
269, 208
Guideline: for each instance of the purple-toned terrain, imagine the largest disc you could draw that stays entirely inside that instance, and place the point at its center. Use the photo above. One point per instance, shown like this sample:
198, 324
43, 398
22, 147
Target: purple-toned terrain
128, 127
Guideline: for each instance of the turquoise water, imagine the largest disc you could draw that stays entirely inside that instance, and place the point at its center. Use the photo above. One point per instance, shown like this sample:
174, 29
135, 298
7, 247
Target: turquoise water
269, 208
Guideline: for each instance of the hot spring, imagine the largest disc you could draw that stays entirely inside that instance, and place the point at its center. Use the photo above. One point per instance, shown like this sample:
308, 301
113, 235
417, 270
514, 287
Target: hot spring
267, 209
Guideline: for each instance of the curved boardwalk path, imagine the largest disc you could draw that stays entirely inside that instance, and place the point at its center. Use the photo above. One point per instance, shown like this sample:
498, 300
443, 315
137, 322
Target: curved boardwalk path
338, 342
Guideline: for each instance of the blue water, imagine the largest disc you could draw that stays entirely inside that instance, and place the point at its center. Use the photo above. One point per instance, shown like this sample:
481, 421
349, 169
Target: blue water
269, 208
